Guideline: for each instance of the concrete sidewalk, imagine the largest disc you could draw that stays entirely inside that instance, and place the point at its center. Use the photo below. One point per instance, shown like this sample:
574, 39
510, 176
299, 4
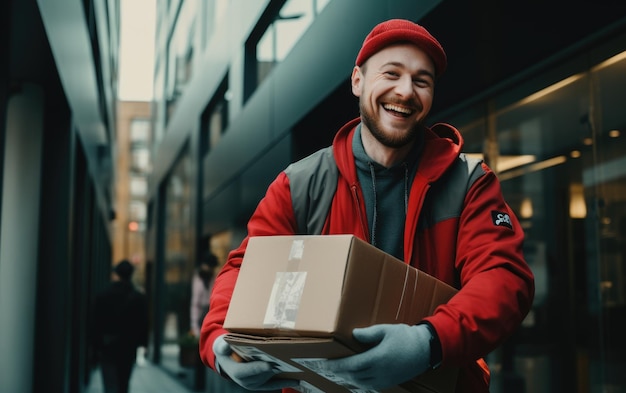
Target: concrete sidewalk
146, 378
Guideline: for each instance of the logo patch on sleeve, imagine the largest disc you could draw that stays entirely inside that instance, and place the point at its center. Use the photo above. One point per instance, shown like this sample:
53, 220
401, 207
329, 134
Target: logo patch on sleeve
501, 219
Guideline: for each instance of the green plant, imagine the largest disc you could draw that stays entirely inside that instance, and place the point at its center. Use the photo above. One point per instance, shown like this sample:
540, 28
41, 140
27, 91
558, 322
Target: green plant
188, 340
189, 356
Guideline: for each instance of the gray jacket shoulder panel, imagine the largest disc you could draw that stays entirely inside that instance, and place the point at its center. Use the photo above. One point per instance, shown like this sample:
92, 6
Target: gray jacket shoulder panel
446, 196
312, 182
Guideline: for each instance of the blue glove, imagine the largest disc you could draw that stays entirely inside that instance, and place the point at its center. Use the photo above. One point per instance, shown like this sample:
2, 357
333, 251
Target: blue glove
401, 352
253, 375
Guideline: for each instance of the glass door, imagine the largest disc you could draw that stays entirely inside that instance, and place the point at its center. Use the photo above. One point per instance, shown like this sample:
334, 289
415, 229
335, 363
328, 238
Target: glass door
560, 153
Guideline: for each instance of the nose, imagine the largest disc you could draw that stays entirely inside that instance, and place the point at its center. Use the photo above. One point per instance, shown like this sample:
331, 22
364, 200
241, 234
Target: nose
404, 86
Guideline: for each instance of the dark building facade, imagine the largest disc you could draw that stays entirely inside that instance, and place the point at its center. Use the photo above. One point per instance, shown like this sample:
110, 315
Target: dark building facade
57, 127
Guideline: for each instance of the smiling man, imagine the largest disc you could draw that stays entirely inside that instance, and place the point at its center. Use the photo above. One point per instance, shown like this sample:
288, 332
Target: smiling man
408, 189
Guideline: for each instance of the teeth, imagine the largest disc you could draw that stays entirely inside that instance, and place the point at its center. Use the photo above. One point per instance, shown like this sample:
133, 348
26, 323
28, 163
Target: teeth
396, 108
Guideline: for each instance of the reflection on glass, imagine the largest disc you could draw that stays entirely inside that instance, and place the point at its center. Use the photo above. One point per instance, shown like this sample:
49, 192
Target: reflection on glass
561, 157
291, 22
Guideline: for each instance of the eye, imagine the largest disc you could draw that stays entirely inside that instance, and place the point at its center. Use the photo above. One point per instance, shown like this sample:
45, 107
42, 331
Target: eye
391, 74
422, 82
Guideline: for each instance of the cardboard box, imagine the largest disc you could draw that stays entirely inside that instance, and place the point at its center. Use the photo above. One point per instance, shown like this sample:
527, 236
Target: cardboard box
298, 298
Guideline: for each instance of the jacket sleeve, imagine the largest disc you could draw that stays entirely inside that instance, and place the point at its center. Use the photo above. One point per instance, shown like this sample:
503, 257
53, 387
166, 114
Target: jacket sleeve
496, 284
273, 216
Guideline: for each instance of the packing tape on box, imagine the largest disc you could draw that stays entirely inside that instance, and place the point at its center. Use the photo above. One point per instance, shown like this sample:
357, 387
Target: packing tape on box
284, 302
296, 252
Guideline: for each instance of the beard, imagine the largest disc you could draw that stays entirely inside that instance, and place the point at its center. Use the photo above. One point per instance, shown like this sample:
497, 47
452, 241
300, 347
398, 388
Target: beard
392, 140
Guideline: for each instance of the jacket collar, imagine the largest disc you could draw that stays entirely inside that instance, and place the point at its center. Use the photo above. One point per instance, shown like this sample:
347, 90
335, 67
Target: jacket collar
442, 145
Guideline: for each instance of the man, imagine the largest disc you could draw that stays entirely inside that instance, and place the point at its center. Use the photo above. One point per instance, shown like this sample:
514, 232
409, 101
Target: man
408, 190
121, 326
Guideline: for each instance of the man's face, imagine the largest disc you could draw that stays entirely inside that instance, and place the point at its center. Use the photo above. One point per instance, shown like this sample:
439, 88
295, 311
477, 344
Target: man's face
395, 88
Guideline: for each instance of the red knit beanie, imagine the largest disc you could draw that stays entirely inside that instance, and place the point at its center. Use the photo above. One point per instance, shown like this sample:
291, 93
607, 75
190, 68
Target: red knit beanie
399, 30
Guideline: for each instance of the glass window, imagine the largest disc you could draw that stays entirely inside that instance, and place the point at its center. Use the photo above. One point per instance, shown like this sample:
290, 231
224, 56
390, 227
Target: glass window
271, 47
140, 146
181, 54
138, 186
560, 153
140, 131
288, 26
137, 210
140, 160
215, 117
158, 108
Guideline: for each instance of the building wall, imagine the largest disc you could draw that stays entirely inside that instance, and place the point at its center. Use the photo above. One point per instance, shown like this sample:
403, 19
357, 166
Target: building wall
56, 132
18, 257
128, 241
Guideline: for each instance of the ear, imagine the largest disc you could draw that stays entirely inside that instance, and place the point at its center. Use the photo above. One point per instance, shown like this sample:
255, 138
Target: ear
357, 81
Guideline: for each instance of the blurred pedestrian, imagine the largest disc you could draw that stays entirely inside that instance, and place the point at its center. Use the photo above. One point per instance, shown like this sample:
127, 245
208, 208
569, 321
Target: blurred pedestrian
121, 326
201, 285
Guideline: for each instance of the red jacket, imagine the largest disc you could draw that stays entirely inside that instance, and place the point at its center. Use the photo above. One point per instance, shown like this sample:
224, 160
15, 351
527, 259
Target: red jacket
475, 251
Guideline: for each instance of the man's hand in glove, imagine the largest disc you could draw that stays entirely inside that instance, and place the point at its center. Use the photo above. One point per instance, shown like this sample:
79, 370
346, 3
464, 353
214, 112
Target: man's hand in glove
253, 375
400, 352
